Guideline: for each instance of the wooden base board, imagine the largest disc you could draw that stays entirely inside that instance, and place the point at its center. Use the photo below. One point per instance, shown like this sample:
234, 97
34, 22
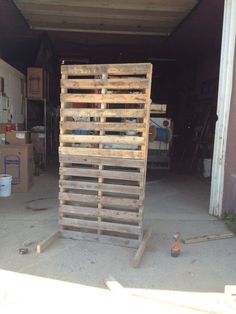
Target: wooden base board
75, 235
139, 254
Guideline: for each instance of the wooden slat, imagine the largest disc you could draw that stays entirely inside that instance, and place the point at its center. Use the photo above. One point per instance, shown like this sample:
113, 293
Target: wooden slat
104, 98
116, 188
106, 126
76, 197
120, 84
92, 160
102, 152
139, 254
107, 226
95, 173
112, 69
107, 239
105, 139
65, 196
104, 213
47, 242
103, 113
206, 238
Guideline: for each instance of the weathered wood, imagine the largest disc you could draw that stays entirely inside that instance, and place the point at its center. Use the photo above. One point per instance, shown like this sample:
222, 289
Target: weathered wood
47, 242
107, 239
117, 215
105, 126
110, 69
93, 160
115, 84
116, 188
102, 152
78, 197
206, 238
106, 113
139, 254
106, 98
95, 173
106, 226
94, 204
105, 139
115, 287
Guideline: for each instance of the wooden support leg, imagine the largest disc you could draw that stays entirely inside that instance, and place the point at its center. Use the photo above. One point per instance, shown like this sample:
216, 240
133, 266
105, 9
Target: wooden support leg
140, 251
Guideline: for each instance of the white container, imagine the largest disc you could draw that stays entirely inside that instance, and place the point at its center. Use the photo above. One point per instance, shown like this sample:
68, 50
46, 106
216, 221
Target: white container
5, 185
207, 167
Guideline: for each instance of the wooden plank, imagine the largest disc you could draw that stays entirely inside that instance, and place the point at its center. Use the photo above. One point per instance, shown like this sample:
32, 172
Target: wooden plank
95, 173
139, 254
103, 113
78, 197
104, 139
104, 98
206, 238
120, 84
116, 188
118, 215
106, 239
47, 242
111, 69
106, 226
102, 152
105, 126
93, 160
115, 287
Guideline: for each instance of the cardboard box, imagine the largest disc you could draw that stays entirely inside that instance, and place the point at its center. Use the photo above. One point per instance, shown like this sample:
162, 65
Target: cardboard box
17, 160
35, 83
17, 137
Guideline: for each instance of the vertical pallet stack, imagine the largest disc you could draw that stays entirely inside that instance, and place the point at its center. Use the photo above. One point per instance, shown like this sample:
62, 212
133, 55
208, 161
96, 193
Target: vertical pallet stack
103, 151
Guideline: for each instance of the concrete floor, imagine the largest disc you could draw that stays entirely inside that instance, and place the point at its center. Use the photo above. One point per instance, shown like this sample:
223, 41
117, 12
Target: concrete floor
173, 203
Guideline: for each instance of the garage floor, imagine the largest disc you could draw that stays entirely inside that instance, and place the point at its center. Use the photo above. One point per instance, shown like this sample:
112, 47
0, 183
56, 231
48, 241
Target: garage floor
173, 203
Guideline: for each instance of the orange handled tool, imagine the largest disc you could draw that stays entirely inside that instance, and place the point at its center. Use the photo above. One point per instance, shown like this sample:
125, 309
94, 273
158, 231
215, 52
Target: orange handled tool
175, 249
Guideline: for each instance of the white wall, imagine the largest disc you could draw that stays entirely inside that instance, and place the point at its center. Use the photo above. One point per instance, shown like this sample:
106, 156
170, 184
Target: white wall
223, 106
13, 81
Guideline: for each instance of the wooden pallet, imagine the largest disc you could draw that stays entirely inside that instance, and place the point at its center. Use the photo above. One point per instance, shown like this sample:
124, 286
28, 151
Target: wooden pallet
103, 170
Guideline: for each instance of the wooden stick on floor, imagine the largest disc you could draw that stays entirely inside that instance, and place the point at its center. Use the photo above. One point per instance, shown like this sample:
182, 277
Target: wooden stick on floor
139, 254
114, 286
47, 242
208, 238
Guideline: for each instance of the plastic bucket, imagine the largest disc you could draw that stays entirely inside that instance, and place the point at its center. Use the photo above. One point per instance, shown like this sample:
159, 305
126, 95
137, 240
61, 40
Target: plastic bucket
5, 185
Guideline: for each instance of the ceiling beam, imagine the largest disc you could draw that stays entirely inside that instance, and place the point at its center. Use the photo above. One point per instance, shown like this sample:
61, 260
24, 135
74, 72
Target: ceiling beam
101, 31
161, 5
108, 23
99, 14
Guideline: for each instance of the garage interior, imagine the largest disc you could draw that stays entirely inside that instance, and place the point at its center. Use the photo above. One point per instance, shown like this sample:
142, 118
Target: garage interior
182, 40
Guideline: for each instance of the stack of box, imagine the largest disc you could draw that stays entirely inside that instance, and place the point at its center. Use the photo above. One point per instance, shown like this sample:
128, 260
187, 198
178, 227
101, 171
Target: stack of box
16, 159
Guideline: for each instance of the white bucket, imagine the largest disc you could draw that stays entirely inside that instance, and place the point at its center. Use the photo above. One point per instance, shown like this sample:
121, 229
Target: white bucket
207, 167
5, 185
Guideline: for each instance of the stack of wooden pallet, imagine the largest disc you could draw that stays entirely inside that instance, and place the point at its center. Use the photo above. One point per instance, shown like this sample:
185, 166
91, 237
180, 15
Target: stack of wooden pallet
103, 151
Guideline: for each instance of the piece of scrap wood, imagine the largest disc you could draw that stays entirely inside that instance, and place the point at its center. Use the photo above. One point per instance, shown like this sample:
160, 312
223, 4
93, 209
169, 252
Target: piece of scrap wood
114, 286
139, 254
208, 238
47, 242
